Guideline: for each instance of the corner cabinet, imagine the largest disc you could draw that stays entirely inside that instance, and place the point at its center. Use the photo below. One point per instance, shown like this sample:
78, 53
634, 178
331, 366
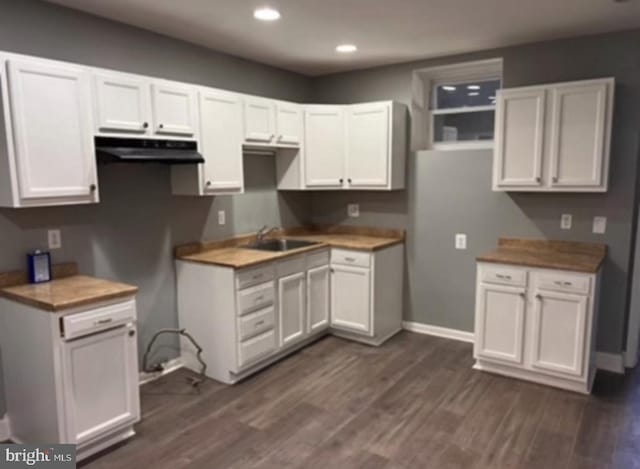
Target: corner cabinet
47, 152
537, 324
554, 138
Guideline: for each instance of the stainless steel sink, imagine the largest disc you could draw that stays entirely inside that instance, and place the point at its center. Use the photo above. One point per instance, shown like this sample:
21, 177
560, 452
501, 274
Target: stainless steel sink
279, 245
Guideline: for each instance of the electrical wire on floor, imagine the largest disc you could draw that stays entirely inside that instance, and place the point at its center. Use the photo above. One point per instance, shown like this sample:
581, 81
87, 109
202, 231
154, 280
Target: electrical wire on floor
194, 382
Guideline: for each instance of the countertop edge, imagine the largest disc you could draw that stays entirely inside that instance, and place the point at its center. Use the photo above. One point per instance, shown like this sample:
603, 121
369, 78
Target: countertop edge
540, 265
63, 306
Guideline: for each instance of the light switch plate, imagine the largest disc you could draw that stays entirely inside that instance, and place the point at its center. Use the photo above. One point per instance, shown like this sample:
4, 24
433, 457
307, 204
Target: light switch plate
353, 210
222, 217
599, 225
55, 239
565, 221
461, 241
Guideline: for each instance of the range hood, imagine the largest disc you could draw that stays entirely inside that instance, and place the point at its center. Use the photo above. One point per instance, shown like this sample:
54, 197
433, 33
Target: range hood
144, 150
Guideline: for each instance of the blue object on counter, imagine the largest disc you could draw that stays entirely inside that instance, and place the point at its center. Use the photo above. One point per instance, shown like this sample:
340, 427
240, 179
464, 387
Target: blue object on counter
39, 266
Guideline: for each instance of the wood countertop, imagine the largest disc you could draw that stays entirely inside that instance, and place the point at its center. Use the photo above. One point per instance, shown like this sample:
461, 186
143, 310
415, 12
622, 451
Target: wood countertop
68, 292
562, 255
230, 252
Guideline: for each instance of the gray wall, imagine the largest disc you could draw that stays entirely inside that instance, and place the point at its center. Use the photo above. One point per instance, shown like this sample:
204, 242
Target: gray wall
129, 236
450, 192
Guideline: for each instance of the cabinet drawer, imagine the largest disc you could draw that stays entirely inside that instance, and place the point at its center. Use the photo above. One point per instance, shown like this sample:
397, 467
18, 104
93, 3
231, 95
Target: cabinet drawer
563, 282
290, 266
77, 325
345, 257
317, 259
256, 323
258, 297
504, 275
256, 348
250, 277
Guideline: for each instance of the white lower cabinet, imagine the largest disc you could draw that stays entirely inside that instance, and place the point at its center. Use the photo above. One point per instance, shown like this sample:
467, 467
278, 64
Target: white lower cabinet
82, 381
351, 305
318, 298
291, 308
537, 324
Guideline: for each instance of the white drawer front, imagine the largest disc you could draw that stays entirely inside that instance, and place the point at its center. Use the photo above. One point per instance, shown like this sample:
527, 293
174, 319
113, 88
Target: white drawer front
254, 276
256, 348
290, 266
504, 275
256, 323
317, 259
253, 298
76, 325
346, 257
563, 282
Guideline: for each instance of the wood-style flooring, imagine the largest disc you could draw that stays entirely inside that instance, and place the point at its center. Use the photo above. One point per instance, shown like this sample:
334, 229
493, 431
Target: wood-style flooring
415, 402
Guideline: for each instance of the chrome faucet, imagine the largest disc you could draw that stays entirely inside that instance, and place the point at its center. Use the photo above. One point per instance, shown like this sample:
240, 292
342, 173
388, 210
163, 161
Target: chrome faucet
263, 232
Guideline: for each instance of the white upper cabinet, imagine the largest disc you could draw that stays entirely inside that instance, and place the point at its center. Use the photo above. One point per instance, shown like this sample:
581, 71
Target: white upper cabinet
122, 103
289, 124
259, 120
174, 109
554, 138
50, 157
324, 146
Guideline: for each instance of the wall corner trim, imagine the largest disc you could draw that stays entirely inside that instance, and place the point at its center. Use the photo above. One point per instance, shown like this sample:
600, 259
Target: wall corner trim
167, 367
613, 362
4, 428
438, 331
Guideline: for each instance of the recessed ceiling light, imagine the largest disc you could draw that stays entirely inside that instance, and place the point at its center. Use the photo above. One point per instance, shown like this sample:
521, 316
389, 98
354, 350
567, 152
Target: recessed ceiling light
474, 93
266, 14
473, 87
346, 48
449, 88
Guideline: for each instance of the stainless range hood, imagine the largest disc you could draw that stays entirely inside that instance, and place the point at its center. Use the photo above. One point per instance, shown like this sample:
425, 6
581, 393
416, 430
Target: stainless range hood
144, 150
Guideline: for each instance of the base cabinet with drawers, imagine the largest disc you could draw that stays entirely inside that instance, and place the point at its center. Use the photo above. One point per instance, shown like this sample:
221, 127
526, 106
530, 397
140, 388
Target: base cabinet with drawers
537, 324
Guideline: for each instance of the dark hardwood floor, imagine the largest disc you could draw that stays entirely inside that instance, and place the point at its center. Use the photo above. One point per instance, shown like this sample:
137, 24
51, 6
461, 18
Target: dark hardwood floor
413, 403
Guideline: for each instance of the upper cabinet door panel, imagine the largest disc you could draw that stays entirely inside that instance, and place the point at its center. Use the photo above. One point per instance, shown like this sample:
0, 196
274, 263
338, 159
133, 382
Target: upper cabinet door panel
259, 120
221, 140
122, 103
578, 128
324, 146
368, 152
289, 124
53, 133
174, 108
519, 138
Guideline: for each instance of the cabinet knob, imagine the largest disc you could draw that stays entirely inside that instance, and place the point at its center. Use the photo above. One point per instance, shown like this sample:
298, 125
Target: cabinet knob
538, 296
161, 126
349, 180
93, 187
132, 333
145, 125
208, 183
538, 179
341, 180
522, 295
555, 178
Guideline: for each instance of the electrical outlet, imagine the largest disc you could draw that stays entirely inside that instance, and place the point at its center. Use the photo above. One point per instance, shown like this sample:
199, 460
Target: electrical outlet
599, 225
353, 210
55, 239
461, 241
222, 217
565, 221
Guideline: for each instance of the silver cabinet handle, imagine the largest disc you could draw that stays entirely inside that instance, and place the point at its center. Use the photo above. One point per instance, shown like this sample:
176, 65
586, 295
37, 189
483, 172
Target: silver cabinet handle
350, 259
259, 298
504, 277
259, 323
563, 283
103, 321
257, 276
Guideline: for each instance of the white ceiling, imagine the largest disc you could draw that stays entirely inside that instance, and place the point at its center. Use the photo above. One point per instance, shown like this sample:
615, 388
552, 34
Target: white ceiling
385, 31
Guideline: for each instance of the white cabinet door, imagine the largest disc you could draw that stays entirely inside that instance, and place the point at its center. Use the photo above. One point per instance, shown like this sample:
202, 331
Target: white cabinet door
324, 146
259, 120
500, 323
519, 138
559, 330
351, 298
53, 131
123, 103
368, 152
94, 405
174, 109
221, 141
578, 124
291, 308
289, 122
318, 298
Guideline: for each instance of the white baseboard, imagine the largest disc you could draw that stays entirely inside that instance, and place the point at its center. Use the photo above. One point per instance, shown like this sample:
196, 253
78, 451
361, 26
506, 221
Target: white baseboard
4, 428
438, 331
613, 362
168, 367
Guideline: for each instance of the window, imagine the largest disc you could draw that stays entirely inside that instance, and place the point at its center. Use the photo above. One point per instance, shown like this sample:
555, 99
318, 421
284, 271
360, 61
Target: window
462, 113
